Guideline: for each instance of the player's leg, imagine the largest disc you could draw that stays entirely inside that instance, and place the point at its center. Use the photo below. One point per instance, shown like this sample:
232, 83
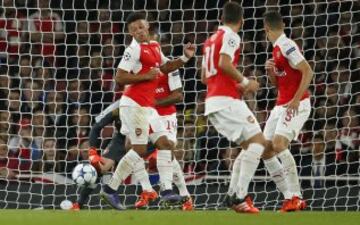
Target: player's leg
165, 168
271, 162
135, 124
287, 129
238, 124
170, 123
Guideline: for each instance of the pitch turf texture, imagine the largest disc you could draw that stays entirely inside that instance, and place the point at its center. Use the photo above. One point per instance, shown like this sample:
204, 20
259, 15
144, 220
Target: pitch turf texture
132, 217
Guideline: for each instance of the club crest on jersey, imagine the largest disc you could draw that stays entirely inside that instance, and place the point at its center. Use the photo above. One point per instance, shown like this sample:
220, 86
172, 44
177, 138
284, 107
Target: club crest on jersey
250, 119
138, 131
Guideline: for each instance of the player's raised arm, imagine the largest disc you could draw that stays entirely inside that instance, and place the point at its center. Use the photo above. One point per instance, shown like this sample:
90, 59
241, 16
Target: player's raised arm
172, 65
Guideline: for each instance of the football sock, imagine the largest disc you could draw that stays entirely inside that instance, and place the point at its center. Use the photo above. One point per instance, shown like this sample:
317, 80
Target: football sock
179, 179
235, 174
277, 173
249, 163
124, 169
165, 168
291, 173
142, 175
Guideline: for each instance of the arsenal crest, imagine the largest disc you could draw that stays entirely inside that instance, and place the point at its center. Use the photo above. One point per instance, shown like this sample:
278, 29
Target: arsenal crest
138, 131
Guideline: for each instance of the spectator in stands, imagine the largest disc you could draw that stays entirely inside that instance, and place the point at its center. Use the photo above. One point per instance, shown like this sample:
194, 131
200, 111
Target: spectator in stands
77, 134
46, 30
341, 76
76, 95
50, 157
6, 163
105, 27
44, 75
4, 89
12, 24
323, 153
186, 144
24, 71
24, 146
348, 143
14, 105
5, 120
40, 125
31, 97
228, 157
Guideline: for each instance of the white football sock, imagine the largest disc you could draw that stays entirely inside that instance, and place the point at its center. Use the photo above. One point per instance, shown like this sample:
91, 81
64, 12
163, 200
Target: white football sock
142, 176
165, 168
291, 172
235, 174
179, 179
277, 173
249, 163
124, 169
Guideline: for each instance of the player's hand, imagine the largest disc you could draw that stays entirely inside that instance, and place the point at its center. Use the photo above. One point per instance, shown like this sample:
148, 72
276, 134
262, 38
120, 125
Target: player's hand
270, 65
252, 86
293, 107
189, 50
152, 74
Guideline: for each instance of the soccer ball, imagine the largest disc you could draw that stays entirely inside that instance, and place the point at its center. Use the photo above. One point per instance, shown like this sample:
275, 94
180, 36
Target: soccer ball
84, 174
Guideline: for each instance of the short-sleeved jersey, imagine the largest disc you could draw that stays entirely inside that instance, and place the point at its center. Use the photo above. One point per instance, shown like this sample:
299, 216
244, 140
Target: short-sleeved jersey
287, 55
167, 84
138, 59
220, 87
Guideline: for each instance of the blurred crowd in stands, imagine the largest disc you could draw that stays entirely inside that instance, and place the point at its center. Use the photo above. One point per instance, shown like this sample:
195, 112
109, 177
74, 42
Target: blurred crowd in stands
58, 60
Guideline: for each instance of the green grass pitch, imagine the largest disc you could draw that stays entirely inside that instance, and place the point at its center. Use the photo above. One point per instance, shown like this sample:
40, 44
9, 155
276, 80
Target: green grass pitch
132, 217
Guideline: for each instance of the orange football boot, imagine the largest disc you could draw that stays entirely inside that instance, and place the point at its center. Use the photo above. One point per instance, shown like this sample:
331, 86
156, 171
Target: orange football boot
145, 198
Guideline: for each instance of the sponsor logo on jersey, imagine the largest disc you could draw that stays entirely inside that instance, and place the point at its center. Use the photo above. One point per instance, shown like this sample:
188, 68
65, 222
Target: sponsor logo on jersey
159, 90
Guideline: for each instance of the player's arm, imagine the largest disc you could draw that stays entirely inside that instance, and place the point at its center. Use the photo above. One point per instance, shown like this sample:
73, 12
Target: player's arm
95, 132
270, 70
227, 52
298, 62
203, 71
172, 65
174, 97
123, 77
124, 74
175, 86
307, 75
